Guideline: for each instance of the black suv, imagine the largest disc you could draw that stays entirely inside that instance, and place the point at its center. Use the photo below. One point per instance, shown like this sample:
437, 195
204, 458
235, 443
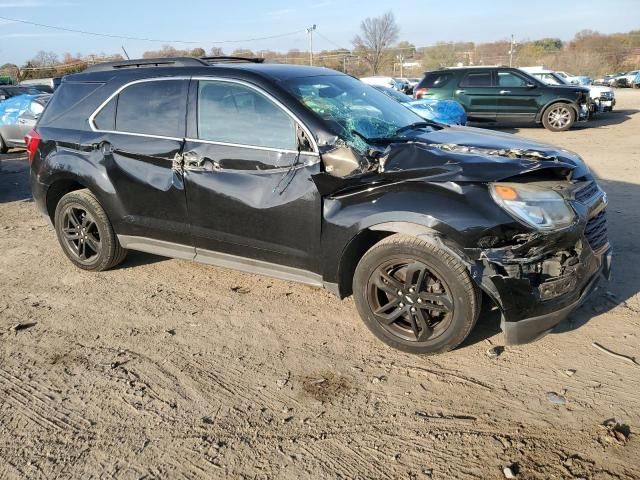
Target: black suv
309, 175
503, 94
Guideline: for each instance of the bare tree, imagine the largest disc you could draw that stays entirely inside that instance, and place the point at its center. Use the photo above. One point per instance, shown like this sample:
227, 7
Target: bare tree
377, 34
44, 59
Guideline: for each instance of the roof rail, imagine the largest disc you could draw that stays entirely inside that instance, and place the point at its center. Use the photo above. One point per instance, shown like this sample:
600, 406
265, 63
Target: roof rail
228, 59
148, 62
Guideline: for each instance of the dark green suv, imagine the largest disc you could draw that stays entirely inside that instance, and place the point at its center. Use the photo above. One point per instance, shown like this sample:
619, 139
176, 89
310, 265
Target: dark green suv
503, 94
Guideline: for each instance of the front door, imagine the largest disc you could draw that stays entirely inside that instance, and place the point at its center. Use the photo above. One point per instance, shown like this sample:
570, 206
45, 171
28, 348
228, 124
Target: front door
519, 97
248, 164
477, 95
140, 133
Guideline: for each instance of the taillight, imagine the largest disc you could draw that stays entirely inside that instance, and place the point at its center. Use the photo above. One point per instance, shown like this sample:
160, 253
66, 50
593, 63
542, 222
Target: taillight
32, 139
420, 92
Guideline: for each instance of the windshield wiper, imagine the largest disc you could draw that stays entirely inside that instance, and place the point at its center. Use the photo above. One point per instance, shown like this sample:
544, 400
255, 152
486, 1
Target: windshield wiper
415, 125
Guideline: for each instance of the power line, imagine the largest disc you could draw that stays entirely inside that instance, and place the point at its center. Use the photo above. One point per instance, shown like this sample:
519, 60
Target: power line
143, 39
331, 41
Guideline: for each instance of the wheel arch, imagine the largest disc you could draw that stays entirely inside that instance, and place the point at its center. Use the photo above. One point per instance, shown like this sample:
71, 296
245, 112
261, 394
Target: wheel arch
567, 101
367, 238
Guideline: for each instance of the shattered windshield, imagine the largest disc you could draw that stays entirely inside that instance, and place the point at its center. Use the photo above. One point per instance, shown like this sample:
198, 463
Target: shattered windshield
352, 109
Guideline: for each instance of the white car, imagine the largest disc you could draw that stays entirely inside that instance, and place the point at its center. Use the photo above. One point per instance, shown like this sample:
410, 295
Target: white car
602, 97
383, 82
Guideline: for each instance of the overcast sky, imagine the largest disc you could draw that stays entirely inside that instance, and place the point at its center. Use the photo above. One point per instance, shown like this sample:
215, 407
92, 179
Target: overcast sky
422, 22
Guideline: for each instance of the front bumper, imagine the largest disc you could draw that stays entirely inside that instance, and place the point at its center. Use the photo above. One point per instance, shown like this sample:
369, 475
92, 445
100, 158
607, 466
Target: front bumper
540, 278
530, 329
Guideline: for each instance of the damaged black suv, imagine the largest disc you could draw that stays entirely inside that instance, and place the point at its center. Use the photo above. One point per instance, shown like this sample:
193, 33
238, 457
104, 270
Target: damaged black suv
309, 175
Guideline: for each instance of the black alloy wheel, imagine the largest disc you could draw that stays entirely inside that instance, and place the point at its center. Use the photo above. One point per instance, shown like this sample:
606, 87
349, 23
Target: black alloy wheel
409, 300
81, 234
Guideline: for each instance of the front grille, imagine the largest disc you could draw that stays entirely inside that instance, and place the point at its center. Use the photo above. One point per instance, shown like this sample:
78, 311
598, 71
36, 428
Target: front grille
606, 95
587, 192
596, 232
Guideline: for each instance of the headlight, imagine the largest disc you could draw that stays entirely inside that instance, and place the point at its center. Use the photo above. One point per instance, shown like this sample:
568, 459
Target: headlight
536, 206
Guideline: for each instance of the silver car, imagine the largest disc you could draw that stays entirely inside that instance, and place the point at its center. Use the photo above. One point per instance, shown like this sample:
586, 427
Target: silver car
18, 118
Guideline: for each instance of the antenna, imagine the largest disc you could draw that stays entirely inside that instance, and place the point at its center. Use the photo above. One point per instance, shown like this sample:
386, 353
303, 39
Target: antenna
125, 53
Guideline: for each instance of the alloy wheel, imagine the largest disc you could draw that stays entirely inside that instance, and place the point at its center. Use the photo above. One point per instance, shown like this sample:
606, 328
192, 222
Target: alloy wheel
559, 117
409, 300
80, 233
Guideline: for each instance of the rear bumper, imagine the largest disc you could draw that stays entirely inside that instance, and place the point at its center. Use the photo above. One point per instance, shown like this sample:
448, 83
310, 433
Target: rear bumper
39, 193
533, 328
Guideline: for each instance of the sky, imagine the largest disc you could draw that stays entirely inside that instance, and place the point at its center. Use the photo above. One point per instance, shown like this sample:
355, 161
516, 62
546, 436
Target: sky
422, 22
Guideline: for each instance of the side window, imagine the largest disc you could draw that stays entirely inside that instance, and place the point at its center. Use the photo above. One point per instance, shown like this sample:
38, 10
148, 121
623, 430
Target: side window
436, 79
106, 118
476, 79
155, 108
510, 79
232, 113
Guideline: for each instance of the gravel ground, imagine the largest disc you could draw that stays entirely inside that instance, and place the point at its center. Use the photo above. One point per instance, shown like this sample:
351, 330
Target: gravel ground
164, 368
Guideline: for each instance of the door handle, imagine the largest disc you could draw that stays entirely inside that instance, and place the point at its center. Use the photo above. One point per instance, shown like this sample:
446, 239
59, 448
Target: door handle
458, 92
502, 92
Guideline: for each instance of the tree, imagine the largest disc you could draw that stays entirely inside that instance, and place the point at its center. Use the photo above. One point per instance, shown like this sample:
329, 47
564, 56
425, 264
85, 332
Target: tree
216, 52
197, 52
377, 34
44, 59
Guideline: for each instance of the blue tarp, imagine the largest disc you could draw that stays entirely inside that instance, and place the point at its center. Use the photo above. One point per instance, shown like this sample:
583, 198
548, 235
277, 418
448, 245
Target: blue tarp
448, 112
13, 107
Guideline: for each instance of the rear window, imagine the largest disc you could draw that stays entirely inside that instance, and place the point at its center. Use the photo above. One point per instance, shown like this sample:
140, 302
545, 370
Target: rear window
65, 98
476, 79
436, 79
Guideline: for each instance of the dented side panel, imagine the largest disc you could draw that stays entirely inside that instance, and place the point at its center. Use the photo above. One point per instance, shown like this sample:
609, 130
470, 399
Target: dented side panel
254, 203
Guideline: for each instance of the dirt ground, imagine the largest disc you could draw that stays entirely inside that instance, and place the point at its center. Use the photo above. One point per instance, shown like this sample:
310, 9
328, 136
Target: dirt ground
167, 369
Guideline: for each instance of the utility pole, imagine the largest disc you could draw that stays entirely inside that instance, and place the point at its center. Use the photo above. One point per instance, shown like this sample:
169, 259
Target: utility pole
511, 49
309, 31
401, 61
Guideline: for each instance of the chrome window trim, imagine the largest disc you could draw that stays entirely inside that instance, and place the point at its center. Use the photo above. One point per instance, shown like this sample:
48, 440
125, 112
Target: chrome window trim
312, 139
253, 147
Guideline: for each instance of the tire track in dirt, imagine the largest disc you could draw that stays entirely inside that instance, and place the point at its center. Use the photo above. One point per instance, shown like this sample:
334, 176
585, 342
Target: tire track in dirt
39, 405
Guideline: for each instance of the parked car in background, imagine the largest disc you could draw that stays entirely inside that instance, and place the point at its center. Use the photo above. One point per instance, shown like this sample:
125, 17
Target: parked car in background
411, 82
627, 79
636, 81
18, 115
604, 80
568, 78
448, 112
310, 175
8, 91
390, 82
602, 97
52, 83
504, 94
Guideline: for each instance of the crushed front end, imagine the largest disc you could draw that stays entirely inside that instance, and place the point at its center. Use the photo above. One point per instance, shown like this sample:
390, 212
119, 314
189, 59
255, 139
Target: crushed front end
538, 279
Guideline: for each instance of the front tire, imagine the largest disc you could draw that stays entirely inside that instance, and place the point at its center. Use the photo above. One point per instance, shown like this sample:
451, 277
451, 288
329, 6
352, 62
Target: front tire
559, 117
85, 232
415, 296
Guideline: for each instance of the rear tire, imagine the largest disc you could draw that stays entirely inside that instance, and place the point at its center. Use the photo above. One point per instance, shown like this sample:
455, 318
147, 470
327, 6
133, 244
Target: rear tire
415, 296
559, 117
85, 232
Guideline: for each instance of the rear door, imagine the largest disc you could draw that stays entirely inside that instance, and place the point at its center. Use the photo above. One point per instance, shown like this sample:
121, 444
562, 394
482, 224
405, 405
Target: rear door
141, 133
248, 164
519, 96
478, 95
